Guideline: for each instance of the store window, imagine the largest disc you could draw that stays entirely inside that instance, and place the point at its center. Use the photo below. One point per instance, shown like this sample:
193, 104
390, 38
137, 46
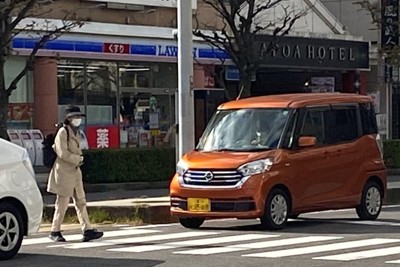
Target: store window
20, 111
147, 98
138, 98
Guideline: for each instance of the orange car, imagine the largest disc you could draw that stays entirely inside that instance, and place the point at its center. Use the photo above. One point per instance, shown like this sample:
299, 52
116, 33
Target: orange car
275, 157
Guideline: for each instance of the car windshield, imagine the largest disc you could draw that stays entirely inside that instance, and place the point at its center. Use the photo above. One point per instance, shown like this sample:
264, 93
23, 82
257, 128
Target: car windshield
244, 130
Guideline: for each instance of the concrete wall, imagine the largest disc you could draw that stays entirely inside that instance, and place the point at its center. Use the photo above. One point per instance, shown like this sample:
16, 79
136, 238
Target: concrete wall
150, 16
356, 20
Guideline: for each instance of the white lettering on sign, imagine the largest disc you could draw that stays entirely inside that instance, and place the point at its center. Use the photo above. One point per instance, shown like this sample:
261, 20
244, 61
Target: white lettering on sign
172, 51
116, 48
102, 138
159, 3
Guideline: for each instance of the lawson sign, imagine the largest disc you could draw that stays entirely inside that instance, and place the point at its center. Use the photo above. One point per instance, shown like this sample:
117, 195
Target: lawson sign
133, 49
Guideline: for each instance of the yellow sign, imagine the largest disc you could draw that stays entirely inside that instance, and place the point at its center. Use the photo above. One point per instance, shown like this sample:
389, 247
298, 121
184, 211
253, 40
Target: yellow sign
155, 132
199, 204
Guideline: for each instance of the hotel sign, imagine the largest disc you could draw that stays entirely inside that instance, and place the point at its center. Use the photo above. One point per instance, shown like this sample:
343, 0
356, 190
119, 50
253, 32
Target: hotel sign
314, 53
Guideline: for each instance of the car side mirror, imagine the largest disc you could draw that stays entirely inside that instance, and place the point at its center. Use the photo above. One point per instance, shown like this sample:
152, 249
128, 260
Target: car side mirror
305, 141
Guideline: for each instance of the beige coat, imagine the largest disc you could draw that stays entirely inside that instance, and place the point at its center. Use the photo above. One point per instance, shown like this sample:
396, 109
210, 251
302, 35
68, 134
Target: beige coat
65, 176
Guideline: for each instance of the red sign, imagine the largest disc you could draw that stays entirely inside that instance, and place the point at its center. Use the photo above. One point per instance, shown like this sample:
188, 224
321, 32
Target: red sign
103, 136
116, 48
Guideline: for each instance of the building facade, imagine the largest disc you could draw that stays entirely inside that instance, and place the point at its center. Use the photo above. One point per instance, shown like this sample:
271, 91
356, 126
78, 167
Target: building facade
121, 68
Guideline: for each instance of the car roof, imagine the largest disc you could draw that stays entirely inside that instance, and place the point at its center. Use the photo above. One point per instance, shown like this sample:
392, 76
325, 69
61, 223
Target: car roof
295, 100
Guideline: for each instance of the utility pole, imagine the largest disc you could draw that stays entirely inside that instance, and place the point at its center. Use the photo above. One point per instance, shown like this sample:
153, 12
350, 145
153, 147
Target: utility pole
185, 78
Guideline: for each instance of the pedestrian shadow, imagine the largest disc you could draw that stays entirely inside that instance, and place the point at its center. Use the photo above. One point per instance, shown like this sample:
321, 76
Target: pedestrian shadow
41, 260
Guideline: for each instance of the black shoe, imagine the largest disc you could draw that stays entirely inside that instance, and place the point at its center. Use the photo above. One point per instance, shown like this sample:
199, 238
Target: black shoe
91, 235
56, 237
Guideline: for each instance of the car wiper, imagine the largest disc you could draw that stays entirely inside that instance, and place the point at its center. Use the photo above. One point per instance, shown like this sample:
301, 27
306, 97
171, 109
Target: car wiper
258, 149
225, 149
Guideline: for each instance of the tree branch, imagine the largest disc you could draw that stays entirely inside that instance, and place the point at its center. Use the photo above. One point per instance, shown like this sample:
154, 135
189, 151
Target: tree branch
48, 36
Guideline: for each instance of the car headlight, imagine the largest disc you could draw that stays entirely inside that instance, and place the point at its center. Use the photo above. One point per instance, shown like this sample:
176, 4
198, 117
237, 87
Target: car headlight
181, 167
255, 167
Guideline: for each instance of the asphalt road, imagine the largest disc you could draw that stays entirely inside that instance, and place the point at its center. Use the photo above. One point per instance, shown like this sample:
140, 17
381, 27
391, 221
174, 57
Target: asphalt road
334, 238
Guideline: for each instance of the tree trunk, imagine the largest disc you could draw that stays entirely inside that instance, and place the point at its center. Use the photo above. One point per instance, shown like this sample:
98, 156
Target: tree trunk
3, 103
245, 84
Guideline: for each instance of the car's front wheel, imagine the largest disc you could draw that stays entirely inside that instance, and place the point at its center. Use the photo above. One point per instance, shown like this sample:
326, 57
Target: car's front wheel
192, 222
371, 202
276, 211
11, 231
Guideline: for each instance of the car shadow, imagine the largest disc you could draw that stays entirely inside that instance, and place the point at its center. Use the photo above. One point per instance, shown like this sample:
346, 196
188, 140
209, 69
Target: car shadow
335, 226
320, 223
42, 260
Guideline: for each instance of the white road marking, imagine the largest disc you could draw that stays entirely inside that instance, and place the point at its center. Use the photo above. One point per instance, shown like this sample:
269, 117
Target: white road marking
188, 243
366, 254
395, 262
141, 239
76, 237
263, 244
323, 248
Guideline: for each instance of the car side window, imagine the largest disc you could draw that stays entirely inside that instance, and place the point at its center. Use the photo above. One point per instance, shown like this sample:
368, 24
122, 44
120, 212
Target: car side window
344, 124
368, 119
314, 124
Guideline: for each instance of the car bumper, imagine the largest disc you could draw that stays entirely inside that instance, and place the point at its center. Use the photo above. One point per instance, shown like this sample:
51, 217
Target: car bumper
246, 202
34, 208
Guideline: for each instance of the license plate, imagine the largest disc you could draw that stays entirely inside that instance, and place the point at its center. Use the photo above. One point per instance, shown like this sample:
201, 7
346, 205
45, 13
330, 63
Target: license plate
199, 204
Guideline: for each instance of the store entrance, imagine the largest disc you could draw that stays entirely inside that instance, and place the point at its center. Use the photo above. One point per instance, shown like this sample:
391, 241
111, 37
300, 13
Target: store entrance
146, 115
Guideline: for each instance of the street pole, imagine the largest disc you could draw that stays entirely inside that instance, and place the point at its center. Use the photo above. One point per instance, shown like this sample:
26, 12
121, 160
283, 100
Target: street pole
185, 78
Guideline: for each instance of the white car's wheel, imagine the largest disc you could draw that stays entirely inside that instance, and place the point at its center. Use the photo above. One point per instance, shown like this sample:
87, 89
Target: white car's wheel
11, 231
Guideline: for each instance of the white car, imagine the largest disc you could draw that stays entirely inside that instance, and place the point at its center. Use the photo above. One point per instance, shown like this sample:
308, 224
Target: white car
21, 204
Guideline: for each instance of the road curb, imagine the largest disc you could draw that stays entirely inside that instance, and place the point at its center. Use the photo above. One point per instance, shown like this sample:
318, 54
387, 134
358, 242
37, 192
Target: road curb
98, 188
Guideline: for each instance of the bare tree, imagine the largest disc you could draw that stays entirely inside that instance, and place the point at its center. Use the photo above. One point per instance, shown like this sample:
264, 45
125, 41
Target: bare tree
242, 21
12, 13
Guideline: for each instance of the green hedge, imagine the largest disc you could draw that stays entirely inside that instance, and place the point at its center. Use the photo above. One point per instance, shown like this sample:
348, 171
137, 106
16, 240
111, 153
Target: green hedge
391, 153
129, 165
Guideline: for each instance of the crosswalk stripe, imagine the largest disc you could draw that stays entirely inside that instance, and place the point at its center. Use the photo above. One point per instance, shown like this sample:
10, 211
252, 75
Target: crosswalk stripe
76, 237
188, 243
257, 245
141, 239
395, 262
366, 254
322, 248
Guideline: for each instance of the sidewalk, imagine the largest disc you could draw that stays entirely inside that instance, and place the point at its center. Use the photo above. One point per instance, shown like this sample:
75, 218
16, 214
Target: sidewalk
149, 202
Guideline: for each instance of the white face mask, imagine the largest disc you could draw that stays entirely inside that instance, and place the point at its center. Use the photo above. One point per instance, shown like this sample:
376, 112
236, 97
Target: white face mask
76, 122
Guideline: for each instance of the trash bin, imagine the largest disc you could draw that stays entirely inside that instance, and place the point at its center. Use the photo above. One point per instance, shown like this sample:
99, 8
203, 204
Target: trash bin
38, 142
14, 137
27, 142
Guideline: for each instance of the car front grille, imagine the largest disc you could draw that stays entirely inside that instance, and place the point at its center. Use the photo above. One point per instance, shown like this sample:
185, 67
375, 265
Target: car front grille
212, 177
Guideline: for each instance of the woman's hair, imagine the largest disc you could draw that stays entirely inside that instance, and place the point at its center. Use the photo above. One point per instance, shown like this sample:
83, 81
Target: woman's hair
67, 121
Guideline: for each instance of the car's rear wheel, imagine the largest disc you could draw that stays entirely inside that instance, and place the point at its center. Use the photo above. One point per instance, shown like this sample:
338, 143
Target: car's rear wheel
11, 231
192, 222
276, 210
371, 202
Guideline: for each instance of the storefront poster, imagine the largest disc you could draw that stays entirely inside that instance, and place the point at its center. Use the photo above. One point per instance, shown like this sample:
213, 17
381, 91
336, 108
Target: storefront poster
20, 111
322, 84
103, 136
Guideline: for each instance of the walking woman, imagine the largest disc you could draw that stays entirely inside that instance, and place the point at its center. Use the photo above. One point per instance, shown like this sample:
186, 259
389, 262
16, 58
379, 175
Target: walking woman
65, 178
